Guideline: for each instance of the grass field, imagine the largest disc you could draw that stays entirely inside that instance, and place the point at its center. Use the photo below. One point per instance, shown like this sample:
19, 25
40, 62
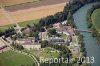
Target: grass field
96, 19
14, 2
11, 58
30, 22
45, 53
21, 24
74, 41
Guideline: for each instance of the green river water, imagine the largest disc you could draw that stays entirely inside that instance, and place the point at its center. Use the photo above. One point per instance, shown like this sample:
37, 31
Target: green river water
92, 48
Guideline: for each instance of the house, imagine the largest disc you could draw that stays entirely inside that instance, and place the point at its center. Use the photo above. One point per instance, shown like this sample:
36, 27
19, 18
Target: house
68, 30
28, 43
2, 44
56, 40
27, 31
17, 29
43, 35
64, 22
32, 46
57, 25
59, 30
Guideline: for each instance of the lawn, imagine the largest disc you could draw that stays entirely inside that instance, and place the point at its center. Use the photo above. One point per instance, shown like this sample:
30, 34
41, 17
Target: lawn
96, 19
30, 22
2, 29
74, 39
21, 24
45, 52
11, 58
64, 36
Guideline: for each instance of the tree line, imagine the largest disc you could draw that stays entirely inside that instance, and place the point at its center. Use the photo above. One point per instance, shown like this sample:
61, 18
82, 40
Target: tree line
8, 32
74, 5
71, 7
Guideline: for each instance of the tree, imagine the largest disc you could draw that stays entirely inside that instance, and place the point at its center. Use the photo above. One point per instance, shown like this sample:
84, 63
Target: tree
35, 34
70, 20
42, 29
28, 25
44, 44
52, 31
18, 47
1, 33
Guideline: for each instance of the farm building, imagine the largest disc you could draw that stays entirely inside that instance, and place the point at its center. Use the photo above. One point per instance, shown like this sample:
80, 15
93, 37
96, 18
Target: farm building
43, 35
2, 45
27, 31
28, 43
32, 46
56, 40
68, 30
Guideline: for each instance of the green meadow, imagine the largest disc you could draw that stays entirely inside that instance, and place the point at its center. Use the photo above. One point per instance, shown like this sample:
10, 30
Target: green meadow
11, 58
96, 19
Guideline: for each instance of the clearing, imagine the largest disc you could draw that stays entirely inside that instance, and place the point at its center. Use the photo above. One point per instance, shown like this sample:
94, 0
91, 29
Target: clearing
96, 19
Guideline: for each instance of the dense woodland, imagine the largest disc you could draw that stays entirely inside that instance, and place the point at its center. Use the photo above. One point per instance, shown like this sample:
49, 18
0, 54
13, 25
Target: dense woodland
71, 8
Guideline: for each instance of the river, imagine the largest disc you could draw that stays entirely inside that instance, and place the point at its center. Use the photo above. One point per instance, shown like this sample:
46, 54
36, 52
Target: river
91, 46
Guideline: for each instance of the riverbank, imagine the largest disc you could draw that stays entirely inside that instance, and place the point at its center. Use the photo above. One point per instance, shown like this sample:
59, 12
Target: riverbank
96, 18
92, 48
93, 21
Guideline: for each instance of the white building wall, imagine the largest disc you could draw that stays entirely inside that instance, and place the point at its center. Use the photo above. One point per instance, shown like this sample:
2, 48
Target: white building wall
32, 47
66, 33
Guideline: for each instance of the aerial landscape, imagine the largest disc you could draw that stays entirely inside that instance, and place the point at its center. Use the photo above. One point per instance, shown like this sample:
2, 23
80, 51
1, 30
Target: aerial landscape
49, 32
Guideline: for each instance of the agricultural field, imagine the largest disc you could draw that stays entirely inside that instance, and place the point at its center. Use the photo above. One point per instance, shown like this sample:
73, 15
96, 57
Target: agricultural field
15, 2
96, 19
30, 11
11, 58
